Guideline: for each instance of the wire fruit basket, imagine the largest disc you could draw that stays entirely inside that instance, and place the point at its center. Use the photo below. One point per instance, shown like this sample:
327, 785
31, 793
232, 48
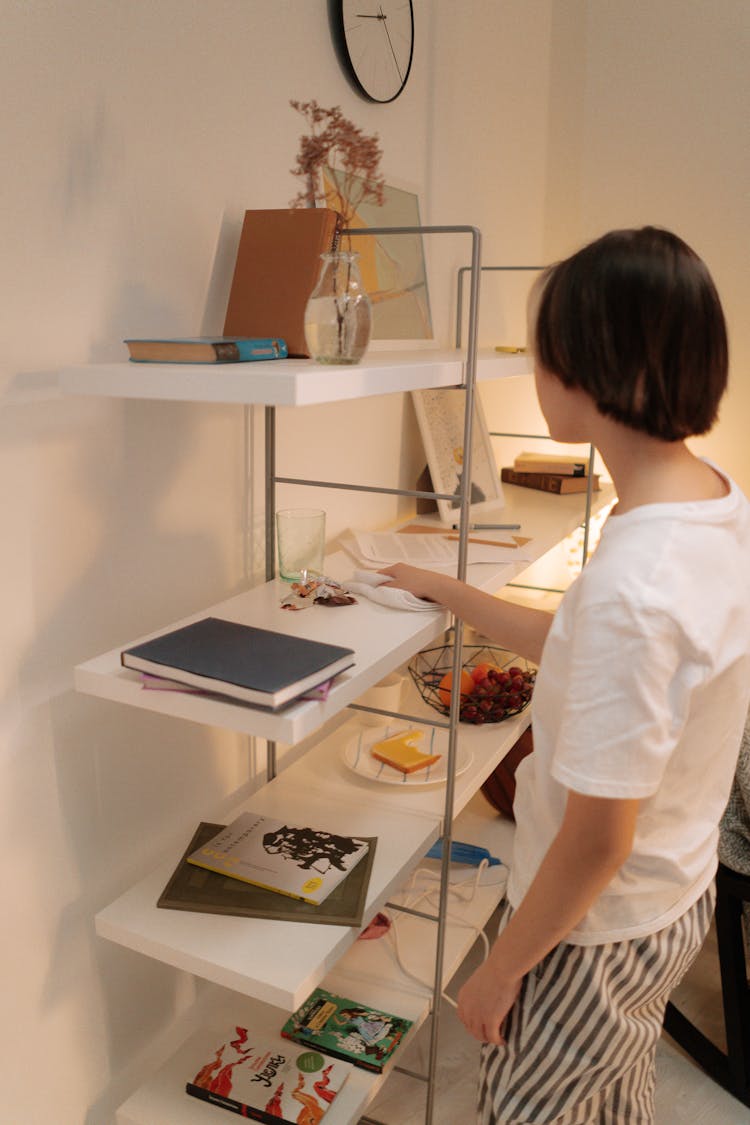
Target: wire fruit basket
494, 683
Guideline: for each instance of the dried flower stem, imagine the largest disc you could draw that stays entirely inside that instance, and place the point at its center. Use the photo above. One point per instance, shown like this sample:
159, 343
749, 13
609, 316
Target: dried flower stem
335, 141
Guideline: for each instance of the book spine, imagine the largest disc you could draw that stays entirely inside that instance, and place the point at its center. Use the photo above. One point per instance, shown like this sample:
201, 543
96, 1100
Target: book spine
233, 1106
326, 1049
544, 482
261, 349
561, 468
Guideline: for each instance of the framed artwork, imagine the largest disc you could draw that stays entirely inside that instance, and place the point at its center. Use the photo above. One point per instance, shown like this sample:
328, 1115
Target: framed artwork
440, 414
392, 265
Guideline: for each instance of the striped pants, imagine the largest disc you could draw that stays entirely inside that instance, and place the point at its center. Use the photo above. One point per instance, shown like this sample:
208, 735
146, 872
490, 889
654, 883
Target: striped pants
581, 1038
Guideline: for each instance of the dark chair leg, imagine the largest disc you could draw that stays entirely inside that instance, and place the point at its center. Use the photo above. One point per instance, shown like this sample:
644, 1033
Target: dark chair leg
731, 889
731, 1069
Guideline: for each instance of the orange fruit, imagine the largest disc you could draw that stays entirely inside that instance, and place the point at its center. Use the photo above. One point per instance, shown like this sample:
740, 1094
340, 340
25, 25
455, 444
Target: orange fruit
466, 685
479, 671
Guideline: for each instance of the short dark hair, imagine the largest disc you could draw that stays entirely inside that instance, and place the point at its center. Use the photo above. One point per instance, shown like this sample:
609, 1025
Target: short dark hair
634, 319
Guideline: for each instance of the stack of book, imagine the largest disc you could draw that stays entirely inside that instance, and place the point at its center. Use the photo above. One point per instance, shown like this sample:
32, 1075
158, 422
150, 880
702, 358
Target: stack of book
294, 1077
550, 472
259, 867
255, 666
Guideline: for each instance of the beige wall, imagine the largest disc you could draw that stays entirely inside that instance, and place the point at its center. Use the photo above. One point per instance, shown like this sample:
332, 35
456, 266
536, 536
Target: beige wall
135, 136
648, 124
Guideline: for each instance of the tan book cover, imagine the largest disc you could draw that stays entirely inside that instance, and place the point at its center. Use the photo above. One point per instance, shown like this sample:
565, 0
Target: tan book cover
277, 268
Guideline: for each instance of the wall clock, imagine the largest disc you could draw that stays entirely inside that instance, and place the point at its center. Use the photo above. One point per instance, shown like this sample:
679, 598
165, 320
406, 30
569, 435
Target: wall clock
374, 41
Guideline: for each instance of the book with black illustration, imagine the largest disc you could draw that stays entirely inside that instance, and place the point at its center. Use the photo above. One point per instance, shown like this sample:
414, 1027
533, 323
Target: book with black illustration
205, 349
277, 268
267, 1079
347, 1029
207, 892
256, 666
549, 482
298, 860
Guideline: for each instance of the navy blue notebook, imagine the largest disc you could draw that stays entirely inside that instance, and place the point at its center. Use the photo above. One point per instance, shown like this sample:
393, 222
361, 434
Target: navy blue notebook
256, 666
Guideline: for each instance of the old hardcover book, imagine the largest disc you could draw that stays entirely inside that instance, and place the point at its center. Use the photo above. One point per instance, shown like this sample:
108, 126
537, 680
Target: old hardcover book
207, 892
266, 1079
347, 1029
277, 268
206, 349
257, 666
289, 859
565, 464
549, 482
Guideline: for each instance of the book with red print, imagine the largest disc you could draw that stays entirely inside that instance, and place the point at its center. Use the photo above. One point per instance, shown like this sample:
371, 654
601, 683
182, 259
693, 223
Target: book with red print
268, 1079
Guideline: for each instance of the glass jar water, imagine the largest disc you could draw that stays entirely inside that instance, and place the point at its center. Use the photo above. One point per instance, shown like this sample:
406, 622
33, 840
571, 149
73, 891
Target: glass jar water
338, 316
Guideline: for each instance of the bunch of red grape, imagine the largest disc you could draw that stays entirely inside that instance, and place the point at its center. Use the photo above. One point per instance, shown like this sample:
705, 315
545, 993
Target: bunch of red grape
496, 693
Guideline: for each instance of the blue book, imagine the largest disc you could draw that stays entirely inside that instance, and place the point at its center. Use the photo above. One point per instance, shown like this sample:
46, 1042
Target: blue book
206, 349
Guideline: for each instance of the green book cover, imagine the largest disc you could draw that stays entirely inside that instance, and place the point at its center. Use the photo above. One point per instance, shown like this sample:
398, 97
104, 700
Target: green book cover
202, 891
347, 1029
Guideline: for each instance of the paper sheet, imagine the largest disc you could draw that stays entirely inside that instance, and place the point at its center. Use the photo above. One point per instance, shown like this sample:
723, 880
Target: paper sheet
382, 548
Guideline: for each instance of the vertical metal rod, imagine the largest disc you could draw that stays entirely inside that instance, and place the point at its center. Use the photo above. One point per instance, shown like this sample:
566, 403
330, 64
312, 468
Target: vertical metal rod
465, 497
270, 517
589, 499
270, 510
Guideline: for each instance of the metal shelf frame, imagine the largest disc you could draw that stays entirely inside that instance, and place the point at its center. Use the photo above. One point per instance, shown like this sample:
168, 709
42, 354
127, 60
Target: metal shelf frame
272, 479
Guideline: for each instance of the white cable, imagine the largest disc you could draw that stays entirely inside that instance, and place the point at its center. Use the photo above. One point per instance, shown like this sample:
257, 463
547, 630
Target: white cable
465, 894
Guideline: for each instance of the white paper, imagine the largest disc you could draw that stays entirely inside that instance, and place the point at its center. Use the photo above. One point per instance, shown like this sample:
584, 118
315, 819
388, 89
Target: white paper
383, 548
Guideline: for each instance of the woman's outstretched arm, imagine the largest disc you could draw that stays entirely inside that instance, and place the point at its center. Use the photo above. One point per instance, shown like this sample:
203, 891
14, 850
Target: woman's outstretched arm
519, 628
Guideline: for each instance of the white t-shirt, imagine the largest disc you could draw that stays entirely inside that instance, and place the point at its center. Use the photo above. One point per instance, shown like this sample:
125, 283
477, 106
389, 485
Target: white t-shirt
642, 692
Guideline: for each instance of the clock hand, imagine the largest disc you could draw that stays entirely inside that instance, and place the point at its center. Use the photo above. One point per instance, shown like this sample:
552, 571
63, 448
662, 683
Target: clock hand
390, 44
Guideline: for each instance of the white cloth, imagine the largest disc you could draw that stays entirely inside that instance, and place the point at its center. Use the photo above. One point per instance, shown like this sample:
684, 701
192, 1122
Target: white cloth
369, 584
642, 693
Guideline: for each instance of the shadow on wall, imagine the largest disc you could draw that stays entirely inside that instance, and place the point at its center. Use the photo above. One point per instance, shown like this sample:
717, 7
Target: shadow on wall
107, 788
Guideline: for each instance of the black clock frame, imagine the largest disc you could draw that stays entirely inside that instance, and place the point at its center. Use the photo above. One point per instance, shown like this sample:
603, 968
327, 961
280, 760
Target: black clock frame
336, 24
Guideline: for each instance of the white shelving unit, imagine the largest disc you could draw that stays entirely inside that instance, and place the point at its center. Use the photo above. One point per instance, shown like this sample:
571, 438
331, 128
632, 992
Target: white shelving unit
286, 382
407, 820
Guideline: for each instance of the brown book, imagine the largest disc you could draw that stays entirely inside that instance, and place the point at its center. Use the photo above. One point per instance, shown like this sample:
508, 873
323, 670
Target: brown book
560, 464
207, 892
277, 268
549, 482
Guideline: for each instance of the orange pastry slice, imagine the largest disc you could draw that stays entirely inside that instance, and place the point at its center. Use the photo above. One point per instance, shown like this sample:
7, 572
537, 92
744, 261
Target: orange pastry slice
400, 752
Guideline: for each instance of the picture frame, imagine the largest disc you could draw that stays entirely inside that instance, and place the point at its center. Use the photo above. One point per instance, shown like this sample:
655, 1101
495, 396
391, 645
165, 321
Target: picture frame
440, 414
393, 267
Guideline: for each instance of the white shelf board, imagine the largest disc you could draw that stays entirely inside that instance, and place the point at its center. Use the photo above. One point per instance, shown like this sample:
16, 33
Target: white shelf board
276, 962
368, 972
382, 638
285, 382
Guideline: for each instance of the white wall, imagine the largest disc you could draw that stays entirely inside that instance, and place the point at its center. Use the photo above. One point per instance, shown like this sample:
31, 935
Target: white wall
135, 135
648, 124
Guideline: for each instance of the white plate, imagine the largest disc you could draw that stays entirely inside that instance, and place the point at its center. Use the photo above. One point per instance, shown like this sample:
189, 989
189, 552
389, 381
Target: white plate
358, 758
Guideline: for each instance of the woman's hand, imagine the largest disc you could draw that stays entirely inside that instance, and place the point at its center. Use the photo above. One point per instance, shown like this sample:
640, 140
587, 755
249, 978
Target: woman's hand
484, 1001
421, 583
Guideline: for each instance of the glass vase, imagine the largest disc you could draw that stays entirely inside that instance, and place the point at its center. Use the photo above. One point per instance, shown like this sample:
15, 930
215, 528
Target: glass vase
338, 316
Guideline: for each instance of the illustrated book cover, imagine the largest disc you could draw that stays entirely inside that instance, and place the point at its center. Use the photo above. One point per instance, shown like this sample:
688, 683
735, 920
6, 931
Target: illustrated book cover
208, 892
277, 268
206, 349
253, 665
549, 482
269, 1080
300, 861
347, 1029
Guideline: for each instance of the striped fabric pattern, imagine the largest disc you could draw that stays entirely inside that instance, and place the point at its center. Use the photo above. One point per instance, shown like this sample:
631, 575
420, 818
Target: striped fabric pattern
581, 1038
